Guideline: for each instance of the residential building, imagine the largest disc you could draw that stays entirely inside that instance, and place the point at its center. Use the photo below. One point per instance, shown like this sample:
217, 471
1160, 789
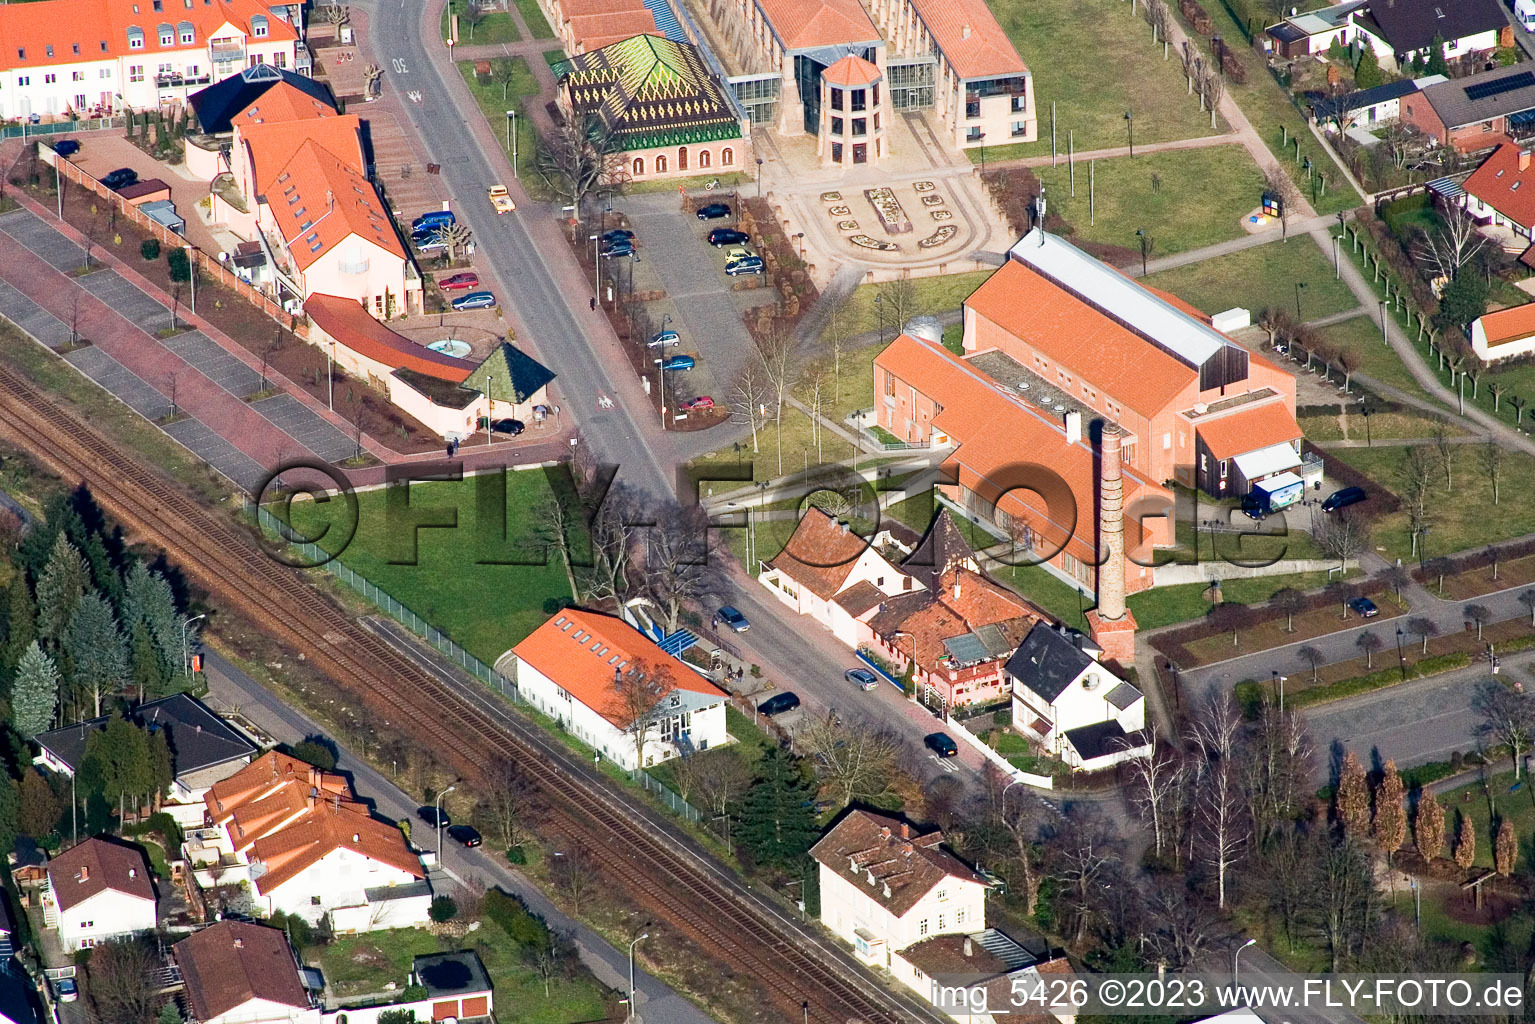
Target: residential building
289, 96
456, 985
240, 973
991, 968
307, 846
662, 108
90, 58
1368, 106
618, 692
97, 890
1477, 112
204, 749
1506, 334
1399, 29
1070, 703
1314, 31
1501, 191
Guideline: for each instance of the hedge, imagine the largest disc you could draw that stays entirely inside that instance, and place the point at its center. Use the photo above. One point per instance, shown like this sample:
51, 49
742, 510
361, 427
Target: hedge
1250, 693
1479, 559
524, 927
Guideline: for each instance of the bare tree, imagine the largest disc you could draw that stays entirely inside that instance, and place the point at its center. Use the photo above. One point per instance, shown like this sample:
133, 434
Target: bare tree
472, 15
1182, 929
1220, 814
504, 73
1492, 463
678, 566
574, 873
1084, 852
1423, 627
1479, 614
455, 236
1348, 362
506, 802
1341, 536
749, 395
122, 983
1439, 568
1313, 657
1527, 598
1274, 322
1291, 602
855, 759
615, 528
1440, 432
1154, 785
1452, 245
813, 384
1276, 763
373, 77
637, 693
557, 523
1508, 716
1369, 642
723, 778
573, 159
1278, 181
1212, 86
899, 301
839, 327
336, 15
775, 353
1417, 482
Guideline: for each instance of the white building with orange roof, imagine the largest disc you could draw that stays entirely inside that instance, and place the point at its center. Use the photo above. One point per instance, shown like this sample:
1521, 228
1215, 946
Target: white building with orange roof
1505, 334
99, 57
306, 846
618, 692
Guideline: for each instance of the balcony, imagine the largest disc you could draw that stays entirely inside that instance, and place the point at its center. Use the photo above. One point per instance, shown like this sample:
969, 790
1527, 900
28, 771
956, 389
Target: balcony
303, 61
164, 82
227, 54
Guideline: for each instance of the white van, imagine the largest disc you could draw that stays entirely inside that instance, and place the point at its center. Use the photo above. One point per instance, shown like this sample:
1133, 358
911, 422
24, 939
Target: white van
1524, 14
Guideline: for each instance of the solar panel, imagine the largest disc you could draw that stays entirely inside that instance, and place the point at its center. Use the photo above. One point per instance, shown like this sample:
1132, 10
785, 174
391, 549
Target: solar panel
1482, 90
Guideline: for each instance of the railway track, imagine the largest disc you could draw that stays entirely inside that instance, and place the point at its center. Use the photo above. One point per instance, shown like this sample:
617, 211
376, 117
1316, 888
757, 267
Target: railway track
680, 886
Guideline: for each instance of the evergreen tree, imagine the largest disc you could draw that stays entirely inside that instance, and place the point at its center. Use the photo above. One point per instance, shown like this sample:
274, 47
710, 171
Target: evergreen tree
148, 675
1367, 74
104, 574
778, 821
41, 807
10, 814
1463, 299
59, 589
1436, 62
1353, 799
118, 762
98, 657
23, 619
35, 692
148, 598
169, 1014
1390, 815
1429, 829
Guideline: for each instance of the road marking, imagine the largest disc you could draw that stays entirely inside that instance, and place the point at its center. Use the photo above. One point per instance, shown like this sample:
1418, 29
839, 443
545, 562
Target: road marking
943, 762
399, 66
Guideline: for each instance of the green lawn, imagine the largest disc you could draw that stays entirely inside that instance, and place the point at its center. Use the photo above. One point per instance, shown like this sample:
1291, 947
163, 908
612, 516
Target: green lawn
496, 27
553, 57
1464, 518
1183, 199
1262, 276
1064, 42
485, 607
1181, 602
1479, 810
1046, 590
366, 963
928, 296
534, 16
494, 101
1361, 335
954, 338
727, 181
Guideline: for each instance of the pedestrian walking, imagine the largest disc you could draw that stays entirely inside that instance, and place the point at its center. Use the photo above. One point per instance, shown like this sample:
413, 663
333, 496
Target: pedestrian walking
594, 304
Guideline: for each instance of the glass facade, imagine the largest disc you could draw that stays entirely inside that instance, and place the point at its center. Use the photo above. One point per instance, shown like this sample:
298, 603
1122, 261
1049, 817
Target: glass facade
911, 82
758, 97
807, 75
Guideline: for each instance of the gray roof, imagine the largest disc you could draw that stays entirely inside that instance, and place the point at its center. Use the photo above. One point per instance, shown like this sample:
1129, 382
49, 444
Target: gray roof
1334, 105
966, 649
217, 105
1047, 662
1123, 695
447, 974
1413, 24
18, 999
1101, 738
1463, 101
198, 738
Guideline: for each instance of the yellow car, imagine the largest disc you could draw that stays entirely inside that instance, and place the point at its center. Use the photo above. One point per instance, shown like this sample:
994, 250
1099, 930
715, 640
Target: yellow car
501, 200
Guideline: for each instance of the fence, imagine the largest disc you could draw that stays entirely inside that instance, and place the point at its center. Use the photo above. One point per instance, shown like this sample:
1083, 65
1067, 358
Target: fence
384, 602
1016, 774
29, 131
209, 267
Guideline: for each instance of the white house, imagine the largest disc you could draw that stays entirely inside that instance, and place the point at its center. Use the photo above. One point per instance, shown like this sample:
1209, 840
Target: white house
1071, 704
307, 846
97, 57
1504, 334
1397, 29
240, 973
610, 686
98, 890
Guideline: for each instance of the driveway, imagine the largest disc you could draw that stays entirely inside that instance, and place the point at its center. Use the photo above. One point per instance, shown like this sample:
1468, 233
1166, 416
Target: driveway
103, 152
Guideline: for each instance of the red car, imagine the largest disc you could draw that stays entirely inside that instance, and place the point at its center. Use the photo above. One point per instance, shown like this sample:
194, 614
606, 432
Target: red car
459, 282
701, 402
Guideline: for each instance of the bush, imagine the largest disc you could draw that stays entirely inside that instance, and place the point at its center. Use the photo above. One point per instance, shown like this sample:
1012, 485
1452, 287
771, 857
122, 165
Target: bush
298, 929
166, 826
415, 993
1376, 680
517, 855
397, 1017
180, 265
315, 750
443, 909
521, 925
149, 248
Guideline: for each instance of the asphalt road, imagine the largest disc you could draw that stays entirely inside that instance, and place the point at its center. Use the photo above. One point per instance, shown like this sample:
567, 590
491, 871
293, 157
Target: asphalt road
231, 688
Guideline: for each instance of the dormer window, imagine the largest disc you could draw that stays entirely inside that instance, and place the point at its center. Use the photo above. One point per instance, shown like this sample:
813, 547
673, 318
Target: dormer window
186, 33
167, 34
76, 48
259, 26
21, 52
49, 48
135, 38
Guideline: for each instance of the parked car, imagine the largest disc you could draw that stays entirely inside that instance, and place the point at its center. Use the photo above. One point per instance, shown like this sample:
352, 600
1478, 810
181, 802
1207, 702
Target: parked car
65, 990
730, 617
432, 220
121, 178
714, 211
1364, 606
701, 402
778, 704
1344, 498
749, 265
676, 363
434, 817
475, 300
941, 743
622, 247
861, 678
728, 236
737, 253
67, 147
430, 243
616, 234
460, 282
661, 339
508, 426
500, 199
466, 834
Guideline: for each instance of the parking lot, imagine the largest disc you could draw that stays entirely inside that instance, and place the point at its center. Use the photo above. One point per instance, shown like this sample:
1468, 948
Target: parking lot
106, 151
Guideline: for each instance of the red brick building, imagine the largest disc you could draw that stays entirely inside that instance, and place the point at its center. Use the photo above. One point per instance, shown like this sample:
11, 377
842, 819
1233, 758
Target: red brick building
1477, 112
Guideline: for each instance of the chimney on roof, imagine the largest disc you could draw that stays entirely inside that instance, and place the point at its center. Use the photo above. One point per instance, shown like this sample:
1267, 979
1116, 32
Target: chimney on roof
239, 942
85, 873
907, 848
1524, 159
969, 946
1073, 427
356, 837
905, 830
133, 873
844, 527
964, 32
884, 831
314, 794
956, 597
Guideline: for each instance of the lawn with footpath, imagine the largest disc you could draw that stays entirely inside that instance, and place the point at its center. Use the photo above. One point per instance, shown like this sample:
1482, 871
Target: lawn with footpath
495, 27
1265, 275
494, 99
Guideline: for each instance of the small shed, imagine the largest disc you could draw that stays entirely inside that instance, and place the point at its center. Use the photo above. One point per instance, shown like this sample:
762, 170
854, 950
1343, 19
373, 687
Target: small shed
163, 212
152, 190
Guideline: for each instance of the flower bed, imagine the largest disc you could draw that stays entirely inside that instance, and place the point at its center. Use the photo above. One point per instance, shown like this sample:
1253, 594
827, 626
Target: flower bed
874, 243
923, 186
847, 225
888, 208
840, 211
942, 215
932, 200
831, 197
937, 238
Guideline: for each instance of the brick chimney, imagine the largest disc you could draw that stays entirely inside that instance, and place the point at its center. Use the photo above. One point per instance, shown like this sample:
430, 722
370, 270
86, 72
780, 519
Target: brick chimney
1111, 623
1524, 160
905, 830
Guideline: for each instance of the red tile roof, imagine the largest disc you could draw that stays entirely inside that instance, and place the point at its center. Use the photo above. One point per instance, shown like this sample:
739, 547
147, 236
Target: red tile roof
93, 867
329, 203
583, 8
851, 70
1247, 429
820, 554
99, 28
581, 651
802, 24
272, 144
346, 321
1080, 338
1509, 324
324, 829
960, 602
283, 102
970, 38
594, 31
230, 963
1502, 185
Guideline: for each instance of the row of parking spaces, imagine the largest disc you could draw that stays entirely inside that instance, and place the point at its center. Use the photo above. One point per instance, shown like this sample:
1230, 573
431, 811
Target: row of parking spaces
32, 318
125, 297
50, 246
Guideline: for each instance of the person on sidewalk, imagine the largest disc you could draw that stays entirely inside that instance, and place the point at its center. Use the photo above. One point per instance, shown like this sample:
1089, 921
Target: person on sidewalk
594, 304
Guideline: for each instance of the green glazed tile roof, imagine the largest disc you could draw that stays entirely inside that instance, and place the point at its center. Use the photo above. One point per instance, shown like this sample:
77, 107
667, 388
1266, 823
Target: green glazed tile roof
508, 374
650, 92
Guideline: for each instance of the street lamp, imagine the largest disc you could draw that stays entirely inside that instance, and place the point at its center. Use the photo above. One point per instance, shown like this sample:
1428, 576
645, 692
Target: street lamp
1130, 127
759, 177
1401, 659
1145, 244
596, 267
805, 1006
1279, 682
192, 275
1235, 956
186, 655
1383, 339
636, 942
511, 139
1300, 286
801, 237
879, 316
982, 137
437, 820
661, 364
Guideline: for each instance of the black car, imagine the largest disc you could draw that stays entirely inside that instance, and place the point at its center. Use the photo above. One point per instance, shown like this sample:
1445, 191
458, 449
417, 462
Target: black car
728, 236
513, 427
434, 817
615, 235
466, 834
66, 147
121, 178
622, 247
941, 743
1343, 499
778, 704
1364, 606
714, 211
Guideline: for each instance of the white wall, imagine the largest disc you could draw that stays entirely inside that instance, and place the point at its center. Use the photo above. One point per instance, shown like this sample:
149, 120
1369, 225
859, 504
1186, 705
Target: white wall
264, 1011
338, 879
411, 912
105, 915
846, 907
1507, 350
